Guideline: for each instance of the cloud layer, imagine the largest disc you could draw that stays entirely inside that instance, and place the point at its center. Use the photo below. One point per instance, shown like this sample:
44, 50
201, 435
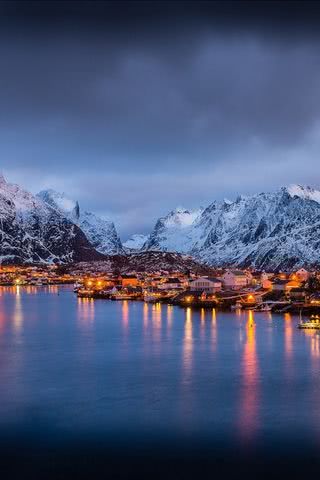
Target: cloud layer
133, 117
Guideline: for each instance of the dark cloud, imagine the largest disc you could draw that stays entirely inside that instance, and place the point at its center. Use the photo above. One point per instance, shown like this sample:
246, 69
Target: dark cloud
137, 107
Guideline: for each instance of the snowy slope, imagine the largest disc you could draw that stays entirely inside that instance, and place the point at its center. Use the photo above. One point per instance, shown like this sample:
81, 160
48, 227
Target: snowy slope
135, 242
174, 232
269, 230
33, 231
101, 233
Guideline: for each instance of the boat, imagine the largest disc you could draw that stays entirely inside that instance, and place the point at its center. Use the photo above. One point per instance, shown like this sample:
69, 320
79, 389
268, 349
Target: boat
151, 297
263, 307
77, 286
122, 296
85, 293
236, 306
313, 323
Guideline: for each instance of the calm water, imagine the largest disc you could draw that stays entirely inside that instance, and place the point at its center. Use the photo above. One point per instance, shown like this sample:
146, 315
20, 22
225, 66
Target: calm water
102, 366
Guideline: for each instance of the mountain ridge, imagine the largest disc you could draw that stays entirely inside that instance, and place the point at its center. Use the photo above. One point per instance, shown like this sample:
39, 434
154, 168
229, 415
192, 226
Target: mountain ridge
266, 230
100, 232
33, 231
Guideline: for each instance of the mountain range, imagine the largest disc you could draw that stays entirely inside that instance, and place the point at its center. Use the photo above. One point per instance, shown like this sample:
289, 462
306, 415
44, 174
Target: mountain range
100, 232
270, 231
33, 231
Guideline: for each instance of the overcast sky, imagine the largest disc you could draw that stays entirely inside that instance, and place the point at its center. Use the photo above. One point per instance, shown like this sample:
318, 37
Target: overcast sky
134, 109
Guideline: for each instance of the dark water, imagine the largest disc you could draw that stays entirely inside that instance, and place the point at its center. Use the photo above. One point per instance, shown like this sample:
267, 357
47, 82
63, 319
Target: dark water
90, 368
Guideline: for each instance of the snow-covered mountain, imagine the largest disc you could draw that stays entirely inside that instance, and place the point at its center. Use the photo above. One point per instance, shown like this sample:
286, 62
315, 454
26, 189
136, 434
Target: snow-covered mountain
268, 230
135, 242
33, 231
101, 233
174, 232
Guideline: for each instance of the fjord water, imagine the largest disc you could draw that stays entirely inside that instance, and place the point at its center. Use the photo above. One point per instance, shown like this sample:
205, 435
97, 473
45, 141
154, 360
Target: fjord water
89, 367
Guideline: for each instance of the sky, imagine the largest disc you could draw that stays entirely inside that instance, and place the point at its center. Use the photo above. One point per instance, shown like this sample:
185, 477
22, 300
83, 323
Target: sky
135, 108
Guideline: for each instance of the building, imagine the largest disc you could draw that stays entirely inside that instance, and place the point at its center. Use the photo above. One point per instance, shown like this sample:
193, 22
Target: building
284, 285
235, 279
297, 294
266, 284
302, 275
205, 284
171, 284
129, 280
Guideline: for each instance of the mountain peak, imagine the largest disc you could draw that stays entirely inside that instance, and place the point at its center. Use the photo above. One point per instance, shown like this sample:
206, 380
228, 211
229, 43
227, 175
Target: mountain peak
100, 232
57, 200
303, 191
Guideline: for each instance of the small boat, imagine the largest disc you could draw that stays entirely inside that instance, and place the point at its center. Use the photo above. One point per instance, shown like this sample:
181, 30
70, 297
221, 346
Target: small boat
263, 307
151, 297
122, 296
85, 293
236, 306
77, 286
313, 323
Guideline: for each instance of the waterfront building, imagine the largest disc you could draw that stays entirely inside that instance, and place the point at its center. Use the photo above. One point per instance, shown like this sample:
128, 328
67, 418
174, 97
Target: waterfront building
171, 283
302, 275
206, 284
235, 279
129, 280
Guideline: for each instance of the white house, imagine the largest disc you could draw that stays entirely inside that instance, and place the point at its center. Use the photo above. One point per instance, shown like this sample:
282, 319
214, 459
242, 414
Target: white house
205, 284
235, 279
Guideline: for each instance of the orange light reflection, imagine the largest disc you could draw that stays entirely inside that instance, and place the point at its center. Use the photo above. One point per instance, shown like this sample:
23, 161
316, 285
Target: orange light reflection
249, 402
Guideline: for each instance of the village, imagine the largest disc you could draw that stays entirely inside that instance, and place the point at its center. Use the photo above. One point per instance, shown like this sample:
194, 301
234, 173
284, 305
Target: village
295, 292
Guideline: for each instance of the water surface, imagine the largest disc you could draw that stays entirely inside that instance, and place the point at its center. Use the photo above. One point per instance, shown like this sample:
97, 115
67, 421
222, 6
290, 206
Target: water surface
103, 367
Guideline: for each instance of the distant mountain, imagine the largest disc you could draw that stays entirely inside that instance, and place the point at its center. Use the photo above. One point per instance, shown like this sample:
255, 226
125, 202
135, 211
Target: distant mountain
33, 231
135, 242
174, 231
270, 231
100, 232
278, 230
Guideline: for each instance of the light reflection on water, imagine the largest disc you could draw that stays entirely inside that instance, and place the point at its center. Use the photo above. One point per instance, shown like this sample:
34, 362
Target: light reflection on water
214, 328
138, 364
85, 310
288, 332
249, 401
18, 312
187, 343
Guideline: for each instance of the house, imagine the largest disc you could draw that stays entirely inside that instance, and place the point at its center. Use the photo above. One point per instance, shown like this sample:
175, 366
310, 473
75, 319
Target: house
235, 279
171, 283
298, 294
205, 284
129, 280
302, 275
267, 284
284, 285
